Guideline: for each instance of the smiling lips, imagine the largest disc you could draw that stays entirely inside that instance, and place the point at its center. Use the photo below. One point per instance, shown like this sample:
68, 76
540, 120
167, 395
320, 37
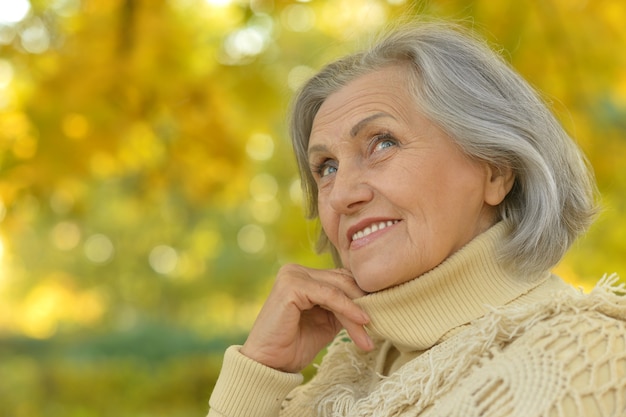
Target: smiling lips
373, 228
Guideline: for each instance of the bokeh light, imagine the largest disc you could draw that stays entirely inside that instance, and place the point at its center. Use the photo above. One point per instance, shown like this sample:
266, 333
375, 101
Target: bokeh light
265, 211
295, 192
263, 187
35, 37
99, 249
218, 3
163, 259
66, 235
298, 17
75, 126
260, 147
13, 11
6, 73
251, 238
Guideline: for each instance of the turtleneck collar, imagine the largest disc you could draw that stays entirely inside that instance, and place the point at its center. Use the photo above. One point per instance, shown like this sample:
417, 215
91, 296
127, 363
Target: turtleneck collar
415, 315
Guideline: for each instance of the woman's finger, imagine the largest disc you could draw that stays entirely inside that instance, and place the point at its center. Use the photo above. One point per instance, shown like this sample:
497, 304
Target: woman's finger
357, 333
333, 299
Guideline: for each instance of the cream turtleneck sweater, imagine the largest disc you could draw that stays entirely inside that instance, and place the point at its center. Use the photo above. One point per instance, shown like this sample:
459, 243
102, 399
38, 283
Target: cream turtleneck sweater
412, 317
437, 340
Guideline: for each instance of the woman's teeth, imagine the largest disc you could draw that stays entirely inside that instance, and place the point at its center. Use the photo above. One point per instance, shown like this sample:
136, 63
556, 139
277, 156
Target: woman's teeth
373, 228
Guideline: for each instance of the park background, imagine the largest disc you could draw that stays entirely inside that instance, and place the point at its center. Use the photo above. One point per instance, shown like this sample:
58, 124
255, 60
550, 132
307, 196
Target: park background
148, 193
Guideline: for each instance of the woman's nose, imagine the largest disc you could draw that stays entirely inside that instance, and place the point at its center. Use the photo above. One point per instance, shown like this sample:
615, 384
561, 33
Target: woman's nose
350, 190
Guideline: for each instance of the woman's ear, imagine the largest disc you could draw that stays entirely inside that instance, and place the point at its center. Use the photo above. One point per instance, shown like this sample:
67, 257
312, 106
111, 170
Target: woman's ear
498, 183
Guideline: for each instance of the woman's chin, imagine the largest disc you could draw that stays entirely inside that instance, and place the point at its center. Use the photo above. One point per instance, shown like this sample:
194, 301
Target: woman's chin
369, 284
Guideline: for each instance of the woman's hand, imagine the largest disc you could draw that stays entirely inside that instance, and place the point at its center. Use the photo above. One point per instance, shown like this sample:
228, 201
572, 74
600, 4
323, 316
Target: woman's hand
303, 313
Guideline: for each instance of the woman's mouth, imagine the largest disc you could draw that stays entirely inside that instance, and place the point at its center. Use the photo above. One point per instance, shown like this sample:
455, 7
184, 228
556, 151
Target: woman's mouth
374, 227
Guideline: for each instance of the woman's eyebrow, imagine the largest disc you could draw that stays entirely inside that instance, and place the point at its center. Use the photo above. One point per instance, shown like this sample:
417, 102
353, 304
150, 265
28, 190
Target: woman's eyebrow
353, 132
357, 127
315, 149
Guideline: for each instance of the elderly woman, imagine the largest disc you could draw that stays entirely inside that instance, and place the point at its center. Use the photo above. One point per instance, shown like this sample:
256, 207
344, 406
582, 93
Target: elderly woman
446, 191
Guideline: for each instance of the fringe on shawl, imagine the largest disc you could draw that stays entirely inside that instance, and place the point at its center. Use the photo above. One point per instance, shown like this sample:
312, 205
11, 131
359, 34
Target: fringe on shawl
357, 390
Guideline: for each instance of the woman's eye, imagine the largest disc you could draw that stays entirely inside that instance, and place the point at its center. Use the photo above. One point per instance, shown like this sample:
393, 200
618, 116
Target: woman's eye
383, 142
325, 168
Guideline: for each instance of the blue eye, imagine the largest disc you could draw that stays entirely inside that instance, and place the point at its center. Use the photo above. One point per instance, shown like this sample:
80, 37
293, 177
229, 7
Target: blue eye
385, 144
383, 141
325, 168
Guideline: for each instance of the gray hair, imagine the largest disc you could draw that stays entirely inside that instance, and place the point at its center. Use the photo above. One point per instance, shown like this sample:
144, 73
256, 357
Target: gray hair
493, 114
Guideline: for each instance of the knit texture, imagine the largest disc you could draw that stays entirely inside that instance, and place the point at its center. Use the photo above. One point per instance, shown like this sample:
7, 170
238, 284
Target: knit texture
469, 338
565, 357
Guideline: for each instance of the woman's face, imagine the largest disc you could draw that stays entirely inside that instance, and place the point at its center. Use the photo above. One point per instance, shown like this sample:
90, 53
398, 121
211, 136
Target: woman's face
396, 195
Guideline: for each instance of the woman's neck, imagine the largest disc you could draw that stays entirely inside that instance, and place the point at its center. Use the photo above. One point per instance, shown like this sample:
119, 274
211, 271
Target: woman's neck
415, 315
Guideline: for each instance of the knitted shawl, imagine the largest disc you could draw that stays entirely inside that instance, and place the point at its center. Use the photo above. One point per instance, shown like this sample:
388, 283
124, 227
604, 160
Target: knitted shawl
568, 323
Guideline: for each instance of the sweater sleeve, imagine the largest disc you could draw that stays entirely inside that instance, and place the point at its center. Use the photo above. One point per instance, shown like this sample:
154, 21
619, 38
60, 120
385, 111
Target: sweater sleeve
247, 388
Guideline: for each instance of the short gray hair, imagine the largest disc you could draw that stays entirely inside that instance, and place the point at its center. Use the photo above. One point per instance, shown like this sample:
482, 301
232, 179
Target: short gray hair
493, 114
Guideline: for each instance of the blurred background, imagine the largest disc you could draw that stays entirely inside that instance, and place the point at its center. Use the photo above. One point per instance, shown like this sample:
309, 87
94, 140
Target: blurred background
148, 193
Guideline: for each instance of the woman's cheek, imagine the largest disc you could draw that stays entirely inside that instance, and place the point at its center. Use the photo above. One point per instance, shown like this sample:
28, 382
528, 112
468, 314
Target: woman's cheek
325, 218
